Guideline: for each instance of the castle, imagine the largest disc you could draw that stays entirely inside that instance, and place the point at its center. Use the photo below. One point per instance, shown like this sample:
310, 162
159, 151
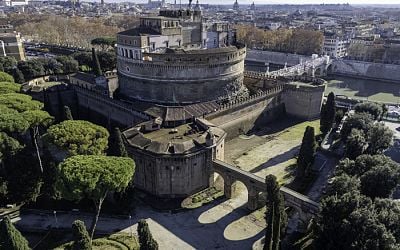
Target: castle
182, 92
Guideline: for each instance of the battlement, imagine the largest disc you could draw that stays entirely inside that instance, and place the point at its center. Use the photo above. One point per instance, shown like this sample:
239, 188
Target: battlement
242, 102
111, 103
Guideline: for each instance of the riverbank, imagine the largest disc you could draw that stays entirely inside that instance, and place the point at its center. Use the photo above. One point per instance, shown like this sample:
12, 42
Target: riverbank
364, 89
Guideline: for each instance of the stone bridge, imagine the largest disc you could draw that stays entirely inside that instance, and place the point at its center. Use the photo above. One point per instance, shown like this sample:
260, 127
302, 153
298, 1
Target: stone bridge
255, 185
316, 66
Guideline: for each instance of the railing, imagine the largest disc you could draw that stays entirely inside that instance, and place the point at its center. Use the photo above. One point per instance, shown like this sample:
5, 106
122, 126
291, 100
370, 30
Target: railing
298, 69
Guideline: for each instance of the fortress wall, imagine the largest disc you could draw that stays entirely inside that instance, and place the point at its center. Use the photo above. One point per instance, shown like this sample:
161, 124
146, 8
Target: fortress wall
246, 118
389, 72
154, 174
172, 92
111, 110
156, 71
303, 101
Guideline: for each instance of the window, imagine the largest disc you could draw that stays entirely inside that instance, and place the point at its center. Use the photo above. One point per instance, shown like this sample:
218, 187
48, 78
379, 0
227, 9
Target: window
128, 69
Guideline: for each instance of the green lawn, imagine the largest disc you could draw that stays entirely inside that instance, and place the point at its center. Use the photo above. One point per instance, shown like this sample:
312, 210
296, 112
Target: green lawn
296, 131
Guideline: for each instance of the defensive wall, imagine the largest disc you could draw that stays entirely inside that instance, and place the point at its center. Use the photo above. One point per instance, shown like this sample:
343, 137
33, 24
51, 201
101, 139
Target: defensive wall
244, 115
303, 97
112, 111
183, 76
366, 70
175, 163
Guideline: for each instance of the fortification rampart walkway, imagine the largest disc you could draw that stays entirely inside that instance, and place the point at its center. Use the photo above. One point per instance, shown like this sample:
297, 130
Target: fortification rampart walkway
255, 184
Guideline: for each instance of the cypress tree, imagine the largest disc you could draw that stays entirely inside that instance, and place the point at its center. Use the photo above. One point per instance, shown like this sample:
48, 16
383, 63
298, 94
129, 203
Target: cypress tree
328, 113
81, 236
145, 238
116, 144
96, 64
275, 215
10, 237
67, 113
323, 126
307, 153
18, 76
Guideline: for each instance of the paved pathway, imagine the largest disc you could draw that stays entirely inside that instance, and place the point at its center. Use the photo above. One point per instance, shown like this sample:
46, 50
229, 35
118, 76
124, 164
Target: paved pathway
226, 224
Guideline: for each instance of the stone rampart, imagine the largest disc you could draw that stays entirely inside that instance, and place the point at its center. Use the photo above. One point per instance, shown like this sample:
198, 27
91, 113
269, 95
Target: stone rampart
248, 114
112, 110
303, 100
367, 70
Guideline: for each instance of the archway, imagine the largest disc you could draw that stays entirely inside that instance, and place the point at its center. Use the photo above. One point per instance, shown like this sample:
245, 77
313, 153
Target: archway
217, 181
239, 192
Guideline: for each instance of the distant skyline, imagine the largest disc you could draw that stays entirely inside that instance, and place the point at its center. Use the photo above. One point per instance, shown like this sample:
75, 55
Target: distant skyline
300, 2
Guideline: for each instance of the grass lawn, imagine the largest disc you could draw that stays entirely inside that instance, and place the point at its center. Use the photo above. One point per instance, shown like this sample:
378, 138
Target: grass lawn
296, 131
271, 153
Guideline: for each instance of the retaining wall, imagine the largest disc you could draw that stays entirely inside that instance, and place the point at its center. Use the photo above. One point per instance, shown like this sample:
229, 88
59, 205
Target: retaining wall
367, 70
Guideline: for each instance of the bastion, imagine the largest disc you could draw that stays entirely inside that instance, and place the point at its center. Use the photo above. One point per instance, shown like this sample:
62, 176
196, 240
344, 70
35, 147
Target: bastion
176, 162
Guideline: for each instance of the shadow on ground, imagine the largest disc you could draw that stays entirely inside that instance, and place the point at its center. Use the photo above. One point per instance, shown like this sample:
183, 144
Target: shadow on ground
290, 154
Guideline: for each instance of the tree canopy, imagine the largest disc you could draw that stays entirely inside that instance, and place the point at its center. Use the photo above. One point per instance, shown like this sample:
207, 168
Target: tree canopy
92, 177
275, 215
96, 64
299, 41
10, 237
306, 153
9, 87
380, 138
356, 143
361, 121
81, 236
104, 43
4, 77
353, 221
328, 113
146, 240
371, 108
79, 137
116, 144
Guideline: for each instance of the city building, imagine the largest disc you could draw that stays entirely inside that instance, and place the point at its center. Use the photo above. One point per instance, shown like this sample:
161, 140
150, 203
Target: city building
335, 46
10, 43
13, 3
236, 5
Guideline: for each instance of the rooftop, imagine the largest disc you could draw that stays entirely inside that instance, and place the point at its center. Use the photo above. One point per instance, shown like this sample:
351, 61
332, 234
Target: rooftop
187, 138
